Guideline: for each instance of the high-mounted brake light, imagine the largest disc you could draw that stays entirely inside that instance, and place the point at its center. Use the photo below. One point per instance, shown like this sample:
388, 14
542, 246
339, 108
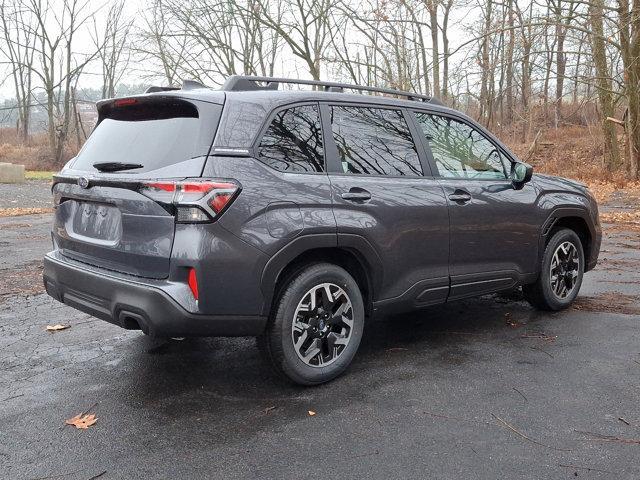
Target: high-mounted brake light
125, 101
195, 201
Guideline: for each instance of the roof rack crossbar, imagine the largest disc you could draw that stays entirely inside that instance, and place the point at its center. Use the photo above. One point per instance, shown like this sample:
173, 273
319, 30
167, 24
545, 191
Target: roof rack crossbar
236, 83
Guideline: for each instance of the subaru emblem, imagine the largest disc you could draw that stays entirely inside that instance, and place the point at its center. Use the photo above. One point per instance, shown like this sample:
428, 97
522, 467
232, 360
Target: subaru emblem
83, 182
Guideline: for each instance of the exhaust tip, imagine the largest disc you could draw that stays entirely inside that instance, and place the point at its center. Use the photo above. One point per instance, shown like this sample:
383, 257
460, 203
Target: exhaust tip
133, 321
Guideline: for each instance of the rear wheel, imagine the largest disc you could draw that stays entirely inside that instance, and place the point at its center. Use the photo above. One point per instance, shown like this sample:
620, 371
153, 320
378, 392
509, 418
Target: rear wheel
561, 273
316, 326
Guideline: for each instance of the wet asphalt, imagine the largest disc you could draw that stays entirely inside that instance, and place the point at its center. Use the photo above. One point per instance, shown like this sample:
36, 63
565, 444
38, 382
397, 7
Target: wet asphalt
481, 389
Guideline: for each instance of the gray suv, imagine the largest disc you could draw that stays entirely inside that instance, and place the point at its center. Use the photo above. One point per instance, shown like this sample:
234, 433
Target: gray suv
296, 216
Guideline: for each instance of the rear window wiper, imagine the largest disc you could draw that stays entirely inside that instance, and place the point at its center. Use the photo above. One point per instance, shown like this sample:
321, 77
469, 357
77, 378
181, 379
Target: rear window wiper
115, 166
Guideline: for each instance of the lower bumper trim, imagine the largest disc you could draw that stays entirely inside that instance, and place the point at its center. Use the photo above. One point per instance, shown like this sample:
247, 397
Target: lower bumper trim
132, 305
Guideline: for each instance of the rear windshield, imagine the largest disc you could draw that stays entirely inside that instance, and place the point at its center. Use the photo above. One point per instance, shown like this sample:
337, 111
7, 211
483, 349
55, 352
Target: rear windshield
153, 135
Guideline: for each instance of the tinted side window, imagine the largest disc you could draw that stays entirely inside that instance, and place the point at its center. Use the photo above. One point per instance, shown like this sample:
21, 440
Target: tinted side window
293, 141
374, 141
461, 151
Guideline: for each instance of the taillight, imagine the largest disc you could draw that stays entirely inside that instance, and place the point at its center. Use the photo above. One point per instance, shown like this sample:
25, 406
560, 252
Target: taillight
194, 201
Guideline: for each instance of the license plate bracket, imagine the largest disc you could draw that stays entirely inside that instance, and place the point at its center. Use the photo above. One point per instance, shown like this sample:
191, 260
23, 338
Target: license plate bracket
97, 222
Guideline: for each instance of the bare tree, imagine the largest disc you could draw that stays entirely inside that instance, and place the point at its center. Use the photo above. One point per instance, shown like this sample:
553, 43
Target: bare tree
18, 49
562, 24
629, 16
157, 46
304, 25
111, 43
55, 29
516, 64
432, 7
486, 79
603, 82
509, 81
224, 38
447, 6
527, 38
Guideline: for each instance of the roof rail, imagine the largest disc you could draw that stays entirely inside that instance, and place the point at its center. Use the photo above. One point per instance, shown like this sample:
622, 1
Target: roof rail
154, 89
239, 83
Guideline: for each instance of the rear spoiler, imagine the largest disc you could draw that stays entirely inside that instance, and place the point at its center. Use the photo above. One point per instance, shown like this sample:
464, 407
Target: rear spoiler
132, 108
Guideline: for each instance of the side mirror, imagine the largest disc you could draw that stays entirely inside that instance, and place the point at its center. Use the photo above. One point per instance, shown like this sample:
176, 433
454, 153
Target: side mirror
520, 174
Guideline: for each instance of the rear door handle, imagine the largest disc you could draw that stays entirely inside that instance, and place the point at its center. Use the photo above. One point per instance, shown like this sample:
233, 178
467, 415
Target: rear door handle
460, 196
357, 195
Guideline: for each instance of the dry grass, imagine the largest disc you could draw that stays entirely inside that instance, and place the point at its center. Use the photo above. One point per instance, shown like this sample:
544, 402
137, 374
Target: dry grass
16, 212
575, 152
36, 155
39, 175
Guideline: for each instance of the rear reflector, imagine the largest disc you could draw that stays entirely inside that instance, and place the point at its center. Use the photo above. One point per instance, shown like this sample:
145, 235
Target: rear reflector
195, 201
193, 282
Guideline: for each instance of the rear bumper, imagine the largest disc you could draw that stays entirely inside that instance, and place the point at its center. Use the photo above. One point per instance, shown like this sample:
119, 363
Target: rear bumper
130, 304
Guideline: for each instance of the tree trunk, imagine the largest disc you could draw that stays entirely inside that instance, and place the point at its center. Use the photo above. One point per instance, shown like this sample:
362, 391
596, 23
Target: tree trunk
509, 61
432, 5
526, 87
562, 26
485, 97
603, 84
445, 49
629, 21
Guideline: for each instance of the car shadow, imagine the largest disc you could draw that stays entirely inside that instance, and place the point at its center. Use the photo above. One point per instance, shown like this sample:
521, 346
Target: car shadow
215, 377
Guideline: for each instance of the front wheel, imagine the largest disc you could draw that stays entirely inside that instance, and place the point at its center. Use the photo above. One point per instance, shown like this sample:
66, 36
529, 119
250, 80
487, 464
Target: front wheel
561, 273
316, 326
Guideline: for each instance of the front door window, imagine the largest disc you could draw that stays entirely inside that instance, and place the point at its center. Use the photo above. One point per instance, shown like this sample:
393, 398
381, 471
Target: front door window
461, 151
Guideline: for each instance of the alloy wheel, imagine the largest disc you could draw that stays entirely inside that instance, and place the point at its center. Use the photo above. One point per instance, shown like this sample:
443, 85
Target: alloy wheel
322, 325
564, 270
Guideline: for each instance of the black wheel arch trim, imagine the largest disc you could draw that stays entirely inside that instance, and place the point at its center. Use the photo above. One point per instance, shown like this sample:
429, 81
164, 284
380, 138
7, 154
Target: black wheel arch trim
356, 244
559, 213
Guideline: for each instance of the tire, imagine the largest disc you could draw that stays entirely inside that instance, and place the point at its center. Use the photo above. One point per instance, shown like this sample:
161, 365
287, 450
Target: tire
331, 324
557, 292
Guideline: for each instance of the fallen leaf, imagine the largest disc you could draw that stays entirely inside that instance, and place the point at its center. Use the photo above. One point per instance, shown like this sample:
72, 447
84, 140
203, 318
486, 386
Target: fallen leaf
540, 336
56, 327
311, 413
509, 321
620, 217
82, 421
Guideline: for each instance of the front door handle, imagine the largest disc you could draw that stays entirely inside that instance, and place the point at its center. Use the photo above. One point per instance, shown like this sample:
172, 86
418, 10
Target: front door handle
460, 196
357, 195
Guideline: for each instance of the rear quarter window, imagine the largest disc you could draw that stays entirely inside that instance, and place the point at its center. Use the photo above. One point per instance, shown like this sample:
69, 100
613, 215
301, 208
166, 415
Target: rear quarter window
293, 141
